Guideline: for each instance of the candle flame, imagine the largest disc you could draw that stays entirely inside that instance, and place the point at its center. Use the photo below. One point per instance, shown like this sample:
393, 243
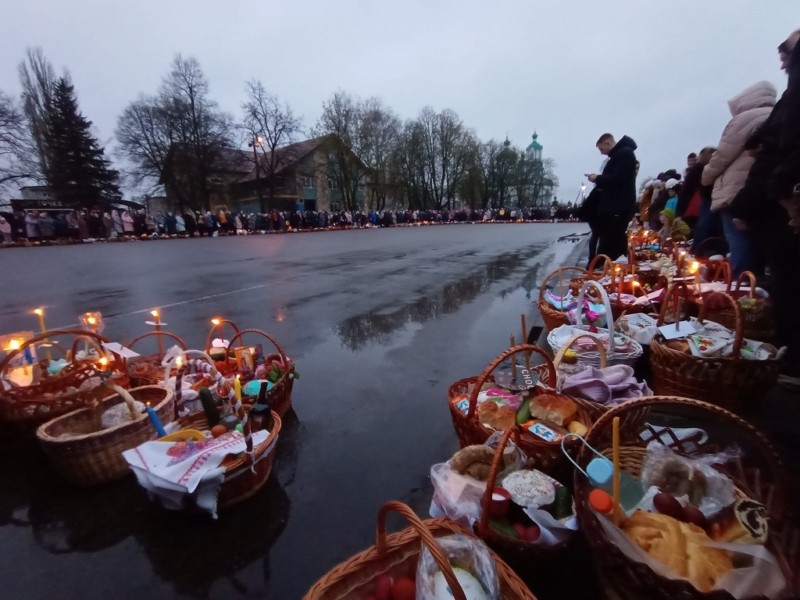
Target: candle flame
215, 321
154, 313
694, 267
179, 361
104, 361
635, 283
38, 312
13, 345
91, 320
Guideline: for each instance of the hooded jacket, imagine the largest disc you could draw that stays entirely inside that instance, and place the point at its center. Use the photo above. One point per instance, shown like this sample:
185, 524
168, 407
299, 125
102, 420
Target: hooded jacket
617, 183
730, 164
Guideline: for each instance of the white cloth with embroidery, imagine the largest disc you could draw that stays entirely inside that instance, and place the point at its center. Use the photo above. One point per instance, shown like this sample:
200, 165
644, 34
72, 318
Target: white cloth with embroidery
171, 471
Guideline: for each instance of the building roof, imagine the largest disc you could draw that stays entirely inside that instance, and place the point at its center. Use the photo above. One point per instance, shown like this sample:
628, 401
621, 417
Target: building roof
535, 145
241, 161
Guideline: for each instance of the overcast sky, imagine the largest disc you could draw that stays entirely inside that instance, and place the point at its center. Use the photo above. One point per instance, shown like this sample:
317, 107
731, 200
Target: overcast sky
661, 72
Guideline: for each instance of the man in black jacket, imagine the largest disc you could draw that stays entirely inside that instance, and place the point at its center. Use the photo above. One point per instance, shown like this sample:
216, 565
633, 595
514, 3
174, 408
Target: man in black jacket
617, 189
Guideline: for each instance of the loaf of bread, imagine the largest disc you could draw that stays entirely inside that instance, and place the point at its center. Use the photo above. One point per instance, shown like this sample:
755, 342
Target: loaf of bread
745, 522
496, 416
558, 410
680, 546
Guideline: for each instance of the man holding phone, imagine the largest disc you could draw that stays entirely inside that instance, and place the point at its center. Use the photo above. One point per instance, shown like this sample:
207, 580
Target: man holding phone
616, 187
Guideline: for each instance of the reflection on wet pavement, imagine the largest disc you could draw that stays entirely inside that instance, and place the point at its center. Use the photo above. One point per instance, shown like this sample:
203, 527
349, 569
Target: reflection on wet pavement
378, 325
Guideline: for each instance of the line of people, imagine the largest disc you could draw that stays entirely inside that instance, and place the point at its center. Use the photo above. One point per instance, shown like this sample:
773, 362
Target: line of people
95, 225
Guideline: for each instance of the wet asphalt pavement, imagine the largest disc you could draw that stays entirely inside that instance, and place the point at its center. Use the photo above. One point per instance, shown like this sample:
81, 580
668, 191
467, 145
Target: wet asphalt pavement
380, 323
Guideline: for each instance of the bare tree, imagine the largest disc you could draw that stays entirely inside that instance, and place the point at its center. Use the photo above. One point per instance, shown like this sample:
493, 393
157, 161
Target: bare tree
176, 139
448, 148
270, 126
18, 156
379, 132
341, 119
38, 80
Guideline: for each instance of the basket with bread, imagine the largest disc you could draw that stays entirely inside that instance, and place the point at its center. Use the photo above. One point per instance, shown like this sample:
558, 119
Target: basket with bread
706, 361
519, 395
709, 524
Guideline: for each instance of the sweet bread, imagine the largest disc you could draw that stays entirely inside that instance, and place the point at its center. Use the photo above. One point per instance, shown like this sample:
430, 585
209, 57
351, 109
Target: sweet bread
496, 416
680, 546
744, 522
558, 410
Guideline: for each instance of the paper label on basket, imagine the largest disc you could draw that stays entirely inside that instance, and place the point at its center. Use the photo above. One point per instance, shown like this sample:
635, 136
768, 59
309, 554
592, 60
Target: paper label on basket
119, 349
462, 405
677, 330
542, 431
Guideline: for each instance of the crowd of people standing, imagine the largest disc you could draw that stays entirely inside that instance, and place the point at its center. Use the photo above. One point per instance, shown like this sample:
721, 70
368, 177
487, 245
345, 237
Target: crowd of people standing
51, 225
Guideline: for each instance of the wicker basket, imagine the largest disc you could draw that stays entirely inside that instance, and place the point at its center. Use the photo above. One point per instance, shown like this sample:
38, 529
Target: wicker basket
757, 323
730, 382
545, 456
758, 475
398, 552
281, 392
59, 394
613, 356
242, 479
84, 455
515, 551
147, 370
552, 316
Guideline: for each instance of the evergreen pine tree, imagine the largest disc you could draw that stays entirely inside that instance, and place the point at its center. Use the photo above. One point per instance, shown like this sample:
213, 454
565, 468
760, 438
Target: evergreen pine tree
78, 172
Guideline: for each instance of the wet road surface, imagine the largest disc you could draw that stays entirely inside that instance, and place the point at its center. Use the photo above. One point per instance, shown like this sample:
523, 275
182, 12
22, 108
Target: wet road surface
380, 323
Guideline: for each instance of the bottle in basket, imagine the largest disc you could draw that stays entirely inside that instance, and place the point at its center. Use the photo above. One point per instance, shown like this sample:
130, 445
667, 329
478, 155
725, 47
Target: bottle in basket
261, 413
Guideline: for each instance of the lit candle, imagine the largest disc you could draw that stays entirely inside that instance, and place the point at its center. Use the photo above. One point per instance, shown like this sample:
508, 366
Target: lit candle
155, 421
103, 363
237, 388
39, 312
157, 323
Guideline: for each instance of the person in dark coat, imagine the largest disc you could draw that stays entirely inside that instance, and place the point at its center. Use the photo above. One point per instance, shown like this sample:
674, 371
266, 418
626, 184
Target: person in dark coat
617, 189
766, 201
190, 223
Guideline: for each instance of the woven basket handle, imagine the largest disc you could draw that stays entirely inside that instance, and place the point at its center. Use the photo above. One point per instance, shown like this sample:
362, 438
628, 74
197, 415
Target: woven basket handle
631, 409
751, 279
606, 302
568, 344
737, 328
180, 342
607, 261
219, 326
527, 348
721, 271
240, 334
558, 272
491, 480
425, 536
671, 291
171, 364
48, 335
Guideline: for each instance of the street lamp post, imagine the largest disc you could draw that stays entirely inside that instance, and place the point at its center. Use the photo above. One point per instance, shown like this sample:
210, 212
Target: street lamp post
256, 143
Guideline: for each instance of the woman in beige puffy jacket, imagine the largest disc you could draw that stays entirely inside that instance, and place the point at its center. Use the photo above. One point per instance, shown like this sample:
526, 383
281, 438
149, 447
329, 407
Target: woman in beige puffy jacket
730, 164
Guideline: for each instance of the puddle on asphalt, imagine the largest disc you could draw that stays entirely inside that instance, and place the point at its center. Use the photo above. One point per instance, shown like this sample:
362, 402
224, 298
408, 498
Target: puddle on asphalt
381, 324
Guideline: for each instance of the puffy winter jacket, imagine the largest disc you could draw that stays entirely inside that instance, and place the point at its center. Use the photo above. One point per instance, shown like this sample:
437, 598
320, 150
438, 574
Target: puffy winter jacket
730, 164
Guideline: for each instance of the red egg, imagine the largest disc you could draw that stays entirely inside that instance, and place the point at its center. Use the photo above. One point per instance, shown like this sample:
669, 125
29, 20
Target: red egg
668, 505
404, 589
383, 587
693, 515
532, 533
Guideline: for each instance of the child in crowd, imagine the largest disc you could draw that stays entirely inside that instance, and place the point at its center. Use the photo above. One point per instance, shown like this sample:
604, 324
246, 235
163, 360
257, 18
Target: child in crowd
673, 227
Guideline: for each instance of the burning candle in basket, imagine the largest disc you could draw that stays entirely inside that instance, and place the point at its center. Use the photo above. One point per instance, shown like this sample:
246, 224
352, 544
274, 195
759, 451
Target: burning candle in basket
103, 363
694, 269
19, 372
156, 322
39, 312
